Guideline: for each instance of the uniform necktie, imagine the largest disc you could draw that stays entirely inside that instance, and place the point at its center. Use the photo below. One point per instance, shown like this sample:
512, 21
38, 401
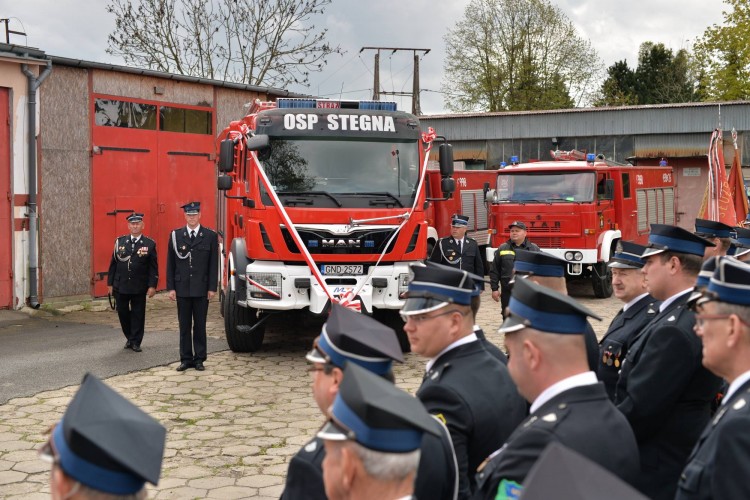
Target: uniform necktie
192, 236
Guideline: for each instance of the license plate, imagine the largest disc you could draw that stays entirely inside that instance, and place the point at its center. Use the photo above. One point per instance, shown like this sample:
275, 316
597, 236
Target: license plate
342, 269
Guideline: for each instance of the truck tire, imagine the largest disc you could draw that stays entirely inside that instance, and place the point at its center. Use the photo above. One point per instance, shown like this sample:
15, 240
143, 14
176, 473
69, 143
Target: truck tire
235, 316
601, 280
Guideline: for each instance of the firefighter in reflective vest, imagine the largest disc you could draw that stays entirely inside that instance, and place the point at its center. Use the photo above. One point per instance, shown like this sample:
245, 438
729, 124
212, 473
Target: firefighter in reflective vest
458, 249
501, 267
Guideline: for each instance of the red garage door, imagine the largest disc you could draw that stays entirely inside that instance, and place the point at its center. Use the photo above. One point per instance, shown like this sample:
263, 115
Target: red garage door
151, 158
6, 220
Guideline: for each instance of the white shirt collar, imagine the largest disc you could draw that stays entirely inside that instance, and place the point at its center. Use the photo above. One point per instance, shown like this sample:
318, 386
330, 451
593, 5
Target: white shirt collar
633, 302
736, 384
472, 337
197, 229
674, 297
581, 379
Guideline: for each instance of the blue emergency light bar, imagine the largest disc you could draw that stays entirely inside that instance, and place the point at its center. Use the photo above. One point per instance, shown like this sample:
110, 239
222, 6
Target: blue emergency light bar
289, 103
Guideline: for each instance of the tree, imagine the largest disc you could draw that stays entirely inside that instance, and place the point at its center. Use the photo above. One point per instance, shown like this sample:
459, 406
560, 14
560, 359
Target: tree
724, 55
259, 42
517, 55
661, 77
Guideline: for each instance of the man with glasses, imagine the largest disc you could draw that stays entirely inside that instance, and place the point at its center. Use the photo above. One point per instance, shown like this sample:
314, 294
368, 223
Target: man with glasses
354, 338
372, 439
544, 334
663, 390
104, 447
720, 462
464, 385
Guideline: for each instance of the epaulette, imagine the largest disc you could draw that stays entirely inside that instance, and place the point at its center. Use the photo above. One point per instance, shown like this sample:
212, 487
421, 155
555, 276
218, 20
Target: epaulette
550, 419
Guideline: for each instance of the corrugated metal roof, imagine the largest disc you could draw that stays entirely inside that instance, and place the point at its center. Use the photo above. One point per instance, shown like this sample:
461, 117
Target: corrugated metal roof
684, 118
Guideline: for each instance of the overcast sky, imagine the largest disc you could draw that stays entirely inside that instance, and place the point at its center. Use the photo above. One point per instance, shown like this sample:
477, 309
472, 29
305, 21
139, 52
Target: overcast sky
78, 29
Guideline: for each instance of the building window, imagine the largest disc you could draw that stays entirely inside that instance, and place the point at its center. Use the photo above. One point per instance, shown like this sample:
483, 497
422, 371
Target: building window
189, 121
625, 185
125, 114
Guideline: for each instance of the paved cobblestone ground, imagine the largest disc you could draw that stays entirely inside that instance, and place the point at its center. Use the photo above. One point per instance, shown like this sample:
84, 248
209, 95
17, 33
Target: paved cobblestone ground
231, 429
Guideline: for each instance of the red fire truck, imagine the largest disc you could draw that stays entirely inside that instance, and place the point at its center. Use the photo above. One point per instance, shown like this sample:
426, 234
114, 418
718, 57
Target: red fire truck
467, 199
323, 201
579, 210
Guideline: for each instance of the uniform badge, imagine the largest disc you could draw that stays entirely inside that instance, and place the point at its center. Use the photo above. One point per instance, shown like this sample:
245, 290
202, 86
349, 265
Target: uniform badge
183, 247
311, 446
142, 251
435, 375
671, 318
739, 404
550, 417
440, 417
508, 490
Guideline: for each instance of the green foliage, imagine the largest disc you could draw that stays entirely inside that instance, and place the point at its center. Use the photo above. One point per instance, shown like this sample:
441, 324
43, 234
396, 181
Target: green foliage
723, 54
517, 55
661, 77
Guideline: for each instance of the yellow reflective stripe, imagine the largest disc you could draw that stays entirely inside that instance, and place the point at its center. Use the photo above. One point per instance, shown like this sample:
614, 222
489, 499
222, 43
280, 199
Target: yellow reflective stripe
507, 252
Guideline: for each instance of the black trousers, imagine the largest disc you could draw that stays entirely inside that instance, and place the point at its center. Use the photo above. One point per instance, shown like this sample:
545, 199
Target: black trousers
191, 314
505, 289
131, 309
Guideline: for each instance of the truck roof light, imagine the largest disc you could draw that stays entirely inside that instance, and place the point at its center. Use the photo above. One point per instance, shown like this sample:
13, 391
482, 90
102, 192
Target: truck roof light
514, 160
291, 103
591, 157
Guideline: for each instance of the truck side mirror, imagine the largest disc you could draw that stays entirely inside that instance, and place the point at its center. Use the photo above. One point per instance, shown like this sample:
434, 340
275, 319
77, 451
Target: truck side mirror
609, 189
447, 186
226, 155
260, 144
446, 159
224, 183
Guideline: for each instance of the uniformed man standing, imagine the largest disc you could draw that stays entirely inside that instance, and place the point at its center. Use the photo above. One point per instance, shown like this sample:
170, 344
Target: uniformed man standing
459, 250
547, 360
719, 465
640, 307
663, 390
349, 337
464, 385
718, 233
501, 267
133, 274
192, 278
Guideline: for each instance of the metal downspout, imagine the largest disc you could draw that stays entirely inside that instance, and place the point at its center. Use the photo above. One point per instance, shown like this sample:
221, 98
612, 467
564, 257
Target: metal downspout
34, 84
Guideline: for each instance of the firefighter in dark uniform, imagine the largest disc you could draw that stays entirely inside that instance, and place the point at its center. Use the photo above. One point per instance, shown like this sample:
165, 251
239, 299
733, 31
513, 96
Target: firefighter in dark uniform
640, 307
133, 275
719, 465
501, 267
459, 250
192, 278
547, 360
663, 390
370, 415
351, 337
718, 233
464, 385
739, 247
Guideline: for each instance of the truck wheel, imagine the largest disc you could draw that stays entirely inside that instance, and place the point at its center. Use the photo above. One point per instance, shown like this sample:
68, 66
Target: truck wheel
601, 279
235, 316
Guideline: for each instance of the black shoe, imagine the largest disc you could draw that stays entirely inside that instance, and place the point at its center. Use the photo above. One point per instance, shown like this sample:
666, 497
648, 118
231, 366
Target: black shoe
128, 345
199, 366
184, 366
136, 348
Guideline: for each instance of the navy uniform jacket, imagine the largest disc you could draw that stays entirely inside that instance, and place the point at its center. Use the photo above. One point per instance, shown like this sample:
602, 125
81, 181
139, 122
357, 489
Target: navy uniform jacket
719, 464
491, 348
196, 275
472, 392
666, 394
614, 345
136, 274
448, 252
436, 476
581, 418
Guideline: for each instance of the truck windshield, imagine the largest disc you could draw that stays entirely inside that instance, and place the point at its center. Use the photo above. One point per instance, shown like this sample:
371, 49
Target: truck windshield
546, 187
343, 167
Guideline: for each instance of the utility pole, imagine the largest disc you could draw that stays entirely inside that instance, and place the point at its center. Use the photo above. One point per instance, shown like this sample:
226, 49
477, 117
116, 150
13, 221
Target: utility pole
376, 92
